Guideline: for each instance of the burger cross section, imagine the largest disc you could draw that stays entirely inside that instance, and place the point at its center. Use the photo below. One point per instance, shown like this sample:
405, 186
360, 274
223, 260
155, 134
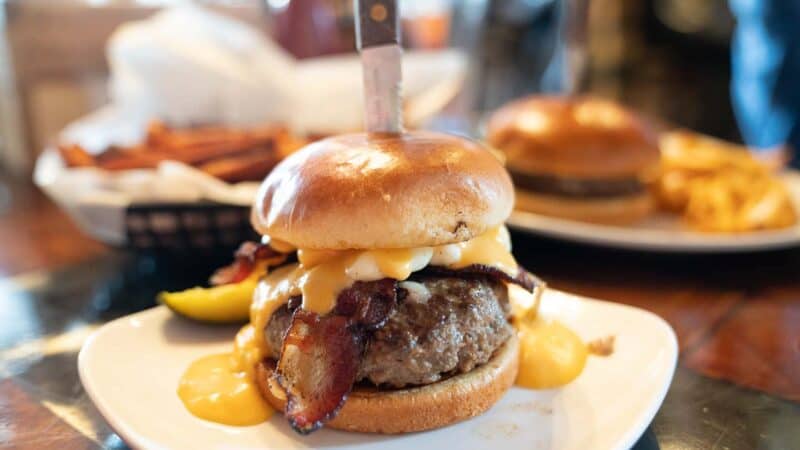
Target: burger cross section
388, 299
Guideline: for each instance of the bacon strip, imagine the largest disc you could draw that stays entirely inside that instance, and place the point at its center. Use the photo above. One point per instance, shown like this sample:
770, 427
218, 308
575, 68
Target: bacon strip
523, 278
246, 257
320, 356
318, 365
368, 304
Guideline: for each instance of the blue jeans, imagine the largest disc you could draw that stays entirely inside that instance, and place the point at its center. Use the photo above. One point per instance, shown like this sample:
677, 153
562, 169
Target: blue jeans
765, 84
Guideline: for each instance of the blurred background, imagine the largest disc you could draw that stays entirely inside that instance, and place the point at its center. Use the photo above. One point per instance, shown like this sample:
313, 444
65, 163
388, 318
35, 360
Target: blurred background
668, 58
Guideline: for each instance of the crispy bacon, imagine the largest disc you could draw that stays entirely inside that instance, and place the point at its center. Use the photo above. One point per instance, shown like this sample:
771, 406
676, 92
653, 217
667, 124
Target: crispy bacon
320, 356
245, 259
368, 304
318, 365
523, 278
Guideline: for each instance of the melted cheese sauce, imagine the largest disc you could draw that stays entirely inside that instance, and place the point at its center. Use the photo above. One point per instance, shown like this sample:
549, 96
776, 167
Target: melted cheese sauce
214, 389
321, 275
551, 354
271, 293
492, 249
221, 388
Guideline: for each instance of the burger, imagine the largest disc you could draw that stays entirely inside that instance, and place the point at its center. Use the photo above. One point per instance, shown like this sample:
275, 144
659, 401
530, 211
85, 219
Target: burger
391, 312
578, 158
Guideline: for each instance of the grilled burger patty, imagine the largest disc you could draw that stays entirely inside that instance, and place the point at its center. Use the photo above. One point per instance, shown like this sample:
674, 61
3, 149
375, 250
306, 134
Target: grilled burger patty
577, 187
441, 326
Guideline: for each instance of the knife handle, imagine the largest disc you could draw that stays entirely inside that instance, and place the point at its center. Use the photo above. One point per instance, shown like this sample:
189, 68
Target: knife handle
377, 24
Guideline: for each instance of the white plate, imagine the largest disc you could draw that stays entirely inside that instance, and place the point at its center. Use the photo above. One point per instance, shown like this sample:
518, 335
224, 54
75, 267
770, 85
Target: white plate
131, 366
662, 232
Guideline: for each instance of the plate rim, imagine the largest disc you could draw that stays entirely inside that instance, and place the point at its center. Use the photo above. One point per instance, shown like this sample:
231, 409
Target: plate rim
130, 437
136, 440
663, 241
651, 240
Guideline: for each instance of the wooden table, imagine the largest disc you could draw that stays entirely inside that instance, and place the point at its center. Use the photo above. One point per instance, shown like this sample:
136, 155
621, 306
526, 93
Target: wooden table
737, 318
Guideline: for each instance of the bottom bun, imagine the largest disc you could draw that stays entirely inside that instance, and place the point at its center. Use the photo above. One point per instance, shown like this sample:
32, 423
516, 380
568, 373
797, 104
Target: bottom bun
370, 410
612, 211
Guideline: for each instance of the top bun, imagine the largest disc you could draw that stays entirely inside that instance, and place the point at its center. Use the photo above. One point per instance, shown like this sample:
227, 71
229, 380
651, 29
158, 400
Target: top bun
368, 191
573, 137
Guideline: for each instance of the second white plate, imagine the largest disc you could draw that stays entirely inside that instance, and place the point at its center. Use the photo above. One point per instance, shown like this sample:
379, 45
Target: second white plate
662, 232
130, 368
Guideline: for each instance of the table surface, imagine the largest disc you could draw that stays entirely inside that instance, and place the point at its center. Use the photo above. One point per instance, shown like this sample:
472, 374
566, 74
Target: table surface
737, 318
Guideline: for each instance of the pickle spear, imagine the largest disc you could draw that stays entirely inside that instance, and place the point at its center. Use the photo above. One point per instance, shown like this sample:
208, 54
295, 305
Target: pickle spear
228, 299
228, 303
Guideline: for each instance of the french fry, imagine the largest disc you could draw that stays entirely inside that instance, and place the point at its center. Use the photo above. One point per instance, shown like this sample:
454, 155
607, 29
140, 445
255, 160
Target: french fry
719, 186
76, 156
244, 167
230, 154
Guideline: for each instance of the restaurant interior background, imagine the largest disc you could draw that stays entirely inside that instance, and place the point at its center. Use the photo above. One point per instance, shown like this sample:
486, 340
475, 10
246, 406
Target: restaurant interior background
656, 55
735, 312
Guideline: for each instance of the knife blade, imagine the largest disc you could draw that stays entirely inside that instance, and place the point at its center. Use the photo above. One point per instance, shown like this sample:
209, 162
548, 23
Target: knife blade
378, 41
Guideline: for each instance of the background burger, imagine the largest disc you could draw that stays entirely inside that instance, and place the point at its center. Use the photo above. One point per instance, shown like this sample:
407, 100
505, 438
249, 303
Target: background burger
395, 316
577, 158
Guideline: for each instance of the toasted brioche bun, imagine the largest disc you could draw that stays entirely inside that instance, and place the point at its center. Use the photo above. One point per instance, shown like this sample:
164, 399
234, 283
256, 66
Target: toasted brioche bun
573, 137
368, 191
619, 210
419, 408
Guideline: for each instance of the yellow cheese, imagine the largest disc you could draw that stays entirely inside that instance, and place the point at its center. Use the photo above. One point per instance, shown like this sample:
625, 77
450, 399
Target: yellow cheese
213, 389
322, 283
321, 275
492, 248
551, 355
278, 245
222, 388
271, 293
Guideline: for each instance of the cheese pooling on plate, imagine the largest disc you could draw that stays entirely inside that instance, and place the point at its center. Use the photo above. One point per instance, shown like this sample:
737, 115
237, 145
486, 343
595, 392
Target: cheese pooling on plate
218, 387
213, 388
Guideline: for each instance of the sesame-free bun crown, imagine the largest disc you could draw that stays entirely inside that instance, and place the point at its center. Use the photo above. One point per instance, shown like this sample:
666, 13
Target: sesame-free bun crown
368, 191
576, 137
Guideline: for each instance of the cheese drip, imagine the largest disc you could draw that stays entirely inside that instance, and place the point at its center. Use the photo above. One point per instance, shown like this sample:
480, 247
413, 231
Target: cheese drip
551, 354
221, 388
213, 389
320, 275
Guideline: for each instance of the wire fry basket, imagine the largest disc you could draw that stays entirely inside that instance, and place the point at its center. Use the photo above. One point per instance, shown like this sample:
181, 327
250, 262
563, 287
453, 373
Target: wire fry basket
181, 227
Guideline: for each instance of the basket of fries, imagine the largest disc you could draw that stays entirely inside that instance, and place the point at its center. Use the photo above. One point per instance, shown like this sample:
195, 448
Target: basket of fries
229, 154
177, 188
169, 184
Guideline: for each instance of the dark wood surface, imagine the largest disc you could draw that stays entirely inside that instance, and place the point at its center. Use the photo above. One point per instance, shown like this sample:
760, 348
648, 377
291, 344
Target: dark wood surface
737, 318
35, 234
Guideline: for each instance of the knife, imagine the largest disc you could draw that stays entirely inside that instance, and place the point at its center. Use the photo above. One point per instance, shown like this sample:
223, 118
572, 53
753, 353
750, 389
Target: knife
378, 41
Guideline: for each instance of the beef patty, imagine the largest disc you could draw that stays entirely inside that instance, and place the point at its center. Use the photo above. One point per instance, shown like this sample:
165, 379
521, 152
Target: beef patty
441, 326
577, 187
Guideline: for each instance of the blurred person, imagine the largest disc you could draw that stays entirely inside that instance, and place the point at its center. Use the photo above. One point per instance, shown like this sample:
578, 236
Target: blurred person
766, 69
309, 28
520, 50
